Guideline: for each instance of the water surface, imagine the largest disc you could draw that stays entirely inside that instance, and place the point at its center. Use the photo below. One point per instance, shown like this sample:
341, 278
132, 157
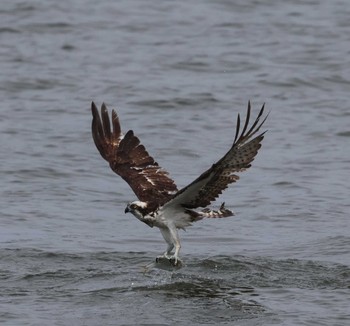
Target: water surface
178, 73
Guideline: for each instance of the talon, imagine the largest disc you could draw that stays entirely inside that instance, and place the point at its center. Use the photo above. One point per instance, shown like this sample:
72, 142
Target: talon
159, 258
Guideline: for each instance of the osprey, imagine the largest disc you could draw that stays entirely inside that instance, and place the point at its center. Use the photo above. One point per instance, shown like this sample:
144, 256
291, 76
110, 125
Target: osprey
160, 203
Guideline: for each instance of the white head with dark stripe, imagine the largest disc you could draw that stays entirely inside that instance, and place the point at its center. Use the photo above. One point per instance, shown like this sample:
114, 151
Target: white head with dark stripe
137, 208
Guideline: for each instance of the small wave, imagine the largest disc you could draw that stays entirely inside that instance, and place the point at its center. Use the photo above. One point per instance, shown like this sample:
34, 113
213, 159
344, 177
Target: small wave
343, 134
192, 100
4, 30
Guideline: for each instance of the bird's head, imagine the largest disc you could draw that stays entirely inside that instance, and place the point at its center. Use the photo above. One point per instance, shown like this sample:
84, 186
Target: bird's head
137, 208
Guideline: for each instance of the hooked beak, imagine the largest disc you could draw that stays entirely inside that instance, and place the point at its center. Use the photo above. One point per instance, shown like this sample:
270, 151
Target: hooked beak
127, 210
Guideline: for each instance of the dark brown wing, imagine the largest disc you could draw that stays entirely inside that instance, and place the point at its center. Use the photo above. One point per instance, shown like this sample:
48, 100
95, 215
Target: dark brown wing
210, 184
128, 158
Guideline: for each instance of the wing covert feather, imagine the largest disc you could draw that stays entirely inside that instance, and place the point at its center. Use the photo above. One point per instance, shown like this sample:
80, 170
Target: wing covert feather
129, 159
210, 184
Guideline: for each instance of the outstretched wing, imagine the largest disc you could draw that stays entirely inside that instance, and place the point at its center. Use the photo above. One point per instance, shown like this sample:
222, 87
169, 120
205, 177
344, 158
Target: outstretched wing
128, 158
210, 184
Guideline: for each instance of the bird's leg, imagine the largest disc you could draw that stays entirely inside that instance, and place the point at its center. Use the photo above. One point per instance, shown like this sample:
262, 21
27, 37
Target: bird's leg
171, 236
176, 242
167, 253
168, 250
167, 237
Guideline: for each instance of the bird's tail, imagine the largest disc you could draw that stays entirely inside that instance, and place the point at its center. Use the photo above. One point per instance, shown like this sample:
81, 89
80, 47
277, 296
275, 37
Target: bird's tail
209, 213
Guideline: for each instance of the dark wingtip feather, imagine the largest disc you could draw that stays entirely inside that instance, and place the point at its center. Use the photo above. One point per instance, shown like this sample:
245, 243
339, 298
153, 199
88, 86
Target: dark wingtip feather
93, 105
261, 111
237, 127
255, 127
116, 125
105, 120
94, 110
97, 129
96, 121
246, 119
262, 122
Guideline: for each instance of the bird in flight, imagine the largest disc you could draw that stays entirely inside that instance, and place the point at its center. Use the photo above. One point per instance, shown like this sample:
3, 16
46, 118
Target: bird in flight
160, 204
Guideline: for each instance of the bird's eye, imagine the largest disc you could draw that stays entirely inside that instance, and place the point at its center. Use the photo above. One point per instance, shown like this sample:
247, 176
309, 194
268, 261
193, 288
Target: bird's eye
132, 206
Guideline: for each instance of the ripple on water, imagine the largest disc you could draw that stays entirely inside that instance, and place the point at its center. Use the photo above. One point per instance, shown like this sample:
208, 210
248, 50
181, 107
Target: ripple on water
219, 288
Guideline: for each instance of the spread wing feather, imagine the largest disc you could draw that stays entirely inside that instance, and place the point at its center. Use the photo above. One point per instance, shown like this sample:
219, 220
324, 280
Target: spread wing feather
128, 158
210, 184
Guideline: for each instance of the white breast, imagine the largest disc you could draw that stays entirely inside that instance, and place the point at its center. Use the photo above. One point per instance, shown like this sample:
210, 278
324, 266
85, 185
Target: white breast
176, 217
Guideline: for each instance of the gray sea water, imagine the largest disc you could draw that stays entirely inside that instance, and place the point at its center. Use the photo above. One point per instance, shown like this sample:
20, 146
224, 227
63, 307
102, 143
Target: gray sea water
178, 72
